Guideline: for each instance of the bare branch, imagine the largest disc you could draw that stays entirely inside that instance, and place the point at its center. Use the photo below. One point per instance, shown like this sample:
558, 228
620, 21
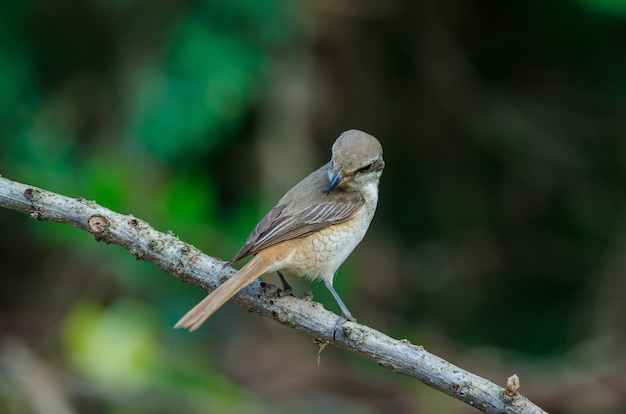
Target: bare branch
189, 264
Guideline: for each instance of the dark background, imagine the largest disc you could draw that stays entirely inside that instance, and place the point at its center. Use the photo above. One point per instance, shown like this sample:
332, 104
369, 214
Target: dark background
498, 243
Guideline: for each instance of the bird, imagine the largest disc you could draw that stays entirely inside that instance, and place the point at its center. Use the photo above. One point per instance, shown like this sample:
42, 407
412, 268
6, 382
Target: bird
312, 229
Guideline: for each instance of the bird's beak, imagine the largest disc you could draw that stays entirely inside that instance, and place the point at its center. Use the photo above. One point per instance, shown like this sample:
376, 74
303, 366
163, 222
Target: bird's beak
334, 181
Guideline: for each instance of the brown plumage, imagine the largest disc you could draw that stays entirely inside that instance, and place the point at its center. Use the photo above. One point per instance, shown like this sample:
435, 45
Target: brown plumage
313, 227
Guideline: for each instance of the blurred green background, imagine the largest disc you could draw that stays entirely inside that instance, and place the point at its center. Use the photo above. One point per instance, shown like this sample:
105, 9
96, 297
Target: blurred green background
498, 244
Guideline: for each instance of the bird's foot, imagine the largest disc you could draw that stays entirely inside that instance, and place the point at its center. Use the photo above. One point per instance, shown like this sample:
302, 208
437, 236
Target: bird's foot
287, 290
340, 321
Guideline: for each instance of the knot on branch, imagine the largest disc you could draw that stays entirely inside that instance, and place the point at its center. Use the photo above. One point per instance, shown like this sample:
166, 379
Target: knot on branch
32, 195
98, 224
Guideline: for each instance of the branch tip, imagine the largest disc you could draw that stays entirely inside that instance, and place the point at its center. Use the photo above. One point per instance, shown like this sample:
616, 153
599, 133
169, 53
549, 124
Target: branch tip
512, 386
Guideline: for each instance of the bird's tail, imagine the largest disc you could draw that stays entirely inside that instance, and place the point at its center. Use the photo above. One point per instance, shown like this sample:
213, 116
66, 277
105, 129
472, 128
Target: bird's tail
199, 313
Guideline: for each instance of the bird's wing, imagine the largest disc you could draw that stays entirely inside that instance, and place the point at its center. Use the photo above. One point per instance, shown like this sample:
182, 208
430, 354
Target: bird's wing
281, 223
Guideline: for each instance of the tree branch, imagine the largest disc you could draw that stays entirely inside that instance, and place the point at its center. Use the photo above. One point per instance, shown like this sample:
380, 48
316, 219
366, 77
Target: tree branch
190, 265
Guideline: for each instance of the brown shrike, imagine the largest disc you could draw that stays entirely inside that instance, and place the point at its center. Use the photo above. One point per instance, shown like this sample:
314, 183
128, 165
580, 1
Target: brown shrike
313, 228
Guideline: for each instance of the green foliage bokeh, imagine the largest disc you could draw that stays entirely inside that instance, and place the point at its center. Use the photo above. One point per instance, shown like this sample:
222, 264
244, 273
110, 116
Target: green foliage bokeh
499, 238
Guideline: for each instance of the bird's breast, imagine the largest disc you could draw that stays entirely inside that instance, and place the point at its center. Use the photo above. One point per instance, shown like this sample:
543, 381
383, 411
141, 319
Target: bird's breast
319, 254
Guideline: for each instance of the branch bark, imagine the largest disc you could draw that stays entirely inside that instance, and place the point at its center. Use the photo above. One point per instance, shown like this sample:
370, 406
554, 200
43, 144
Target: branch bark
190, 265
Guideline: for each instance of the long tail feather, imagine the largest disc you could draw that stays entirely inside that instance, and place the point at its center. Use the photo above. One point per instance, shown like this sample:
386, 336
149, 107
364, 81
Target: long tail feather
199, 313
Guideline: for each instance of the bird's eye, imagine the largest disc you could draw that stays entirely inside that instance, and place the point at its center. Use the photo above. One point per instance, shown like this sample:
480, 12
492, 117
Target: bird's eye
366, 168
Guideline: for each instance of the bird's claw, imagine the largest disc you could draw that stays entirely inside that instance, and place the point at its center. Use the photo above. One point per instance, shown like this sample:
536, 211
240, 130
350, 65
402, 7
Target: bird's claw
340, 321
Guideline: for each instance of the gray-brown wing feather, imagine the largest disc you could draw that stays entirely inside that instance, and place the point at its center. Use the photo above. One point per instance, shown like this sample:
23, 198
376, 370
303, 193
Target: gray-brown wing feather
278, 226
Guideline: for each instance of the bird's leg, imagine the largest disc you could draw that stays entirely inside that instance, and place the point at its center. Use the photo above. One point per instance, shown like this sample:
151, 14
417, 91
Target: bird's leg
287, 289
345, 313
